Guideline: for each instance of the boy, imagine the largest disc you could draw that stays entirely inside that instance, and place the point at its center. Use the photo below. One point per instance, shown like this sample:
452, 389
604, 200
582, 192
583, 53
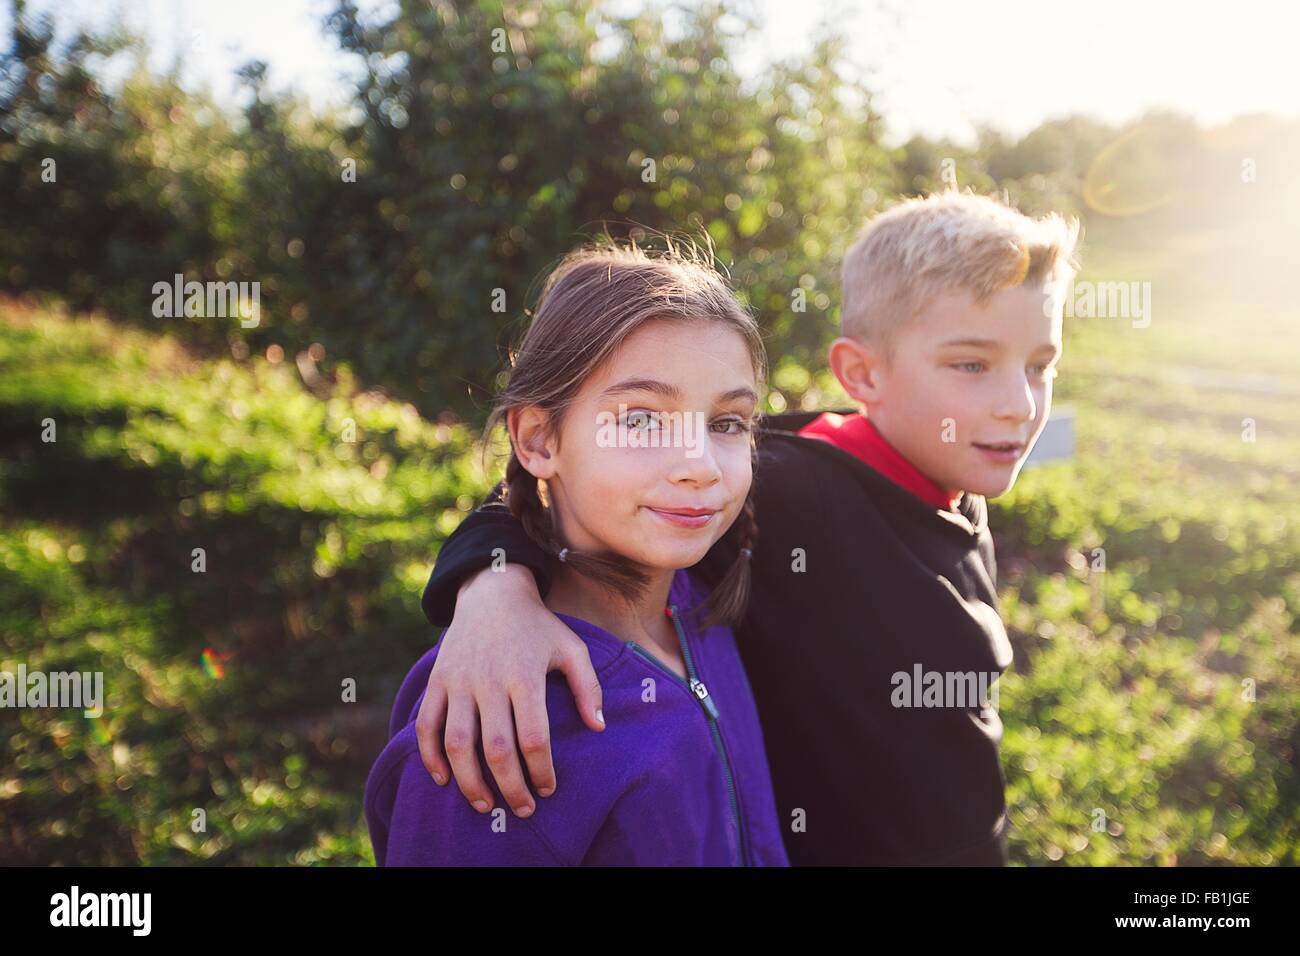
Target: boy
873, 554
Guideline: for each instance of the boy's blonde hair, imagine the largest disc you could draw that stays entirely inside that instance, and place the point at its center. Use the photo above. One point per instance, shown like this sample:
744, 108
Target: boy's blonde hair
946, 242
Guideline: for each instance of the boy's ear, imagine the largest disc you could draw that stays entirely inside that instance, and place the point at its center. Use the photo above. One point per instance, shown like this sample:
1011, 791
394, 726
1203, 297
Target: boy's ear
530, 435
859, 369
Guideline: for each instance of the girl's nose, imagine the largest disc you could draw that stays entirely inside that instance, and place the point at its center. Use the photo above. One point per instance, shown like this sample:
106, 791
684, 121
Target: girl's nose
695, 460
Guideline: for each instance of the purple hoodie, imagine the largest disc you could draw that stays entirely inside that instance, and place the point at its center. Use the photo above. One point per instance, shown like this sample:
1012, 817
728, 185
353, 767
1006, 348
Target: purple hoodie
678, 777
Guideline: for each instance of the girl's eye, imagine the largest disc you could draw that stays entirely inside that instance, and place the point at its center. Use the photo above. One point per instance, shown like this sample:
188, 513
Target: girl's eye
1044, 371
641, 421
730, 426
972, 367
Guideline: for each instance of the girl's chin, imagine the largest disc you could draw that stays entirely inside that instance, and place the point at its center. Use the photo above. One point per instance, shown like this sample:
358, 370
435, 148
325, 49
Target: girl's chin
671, 556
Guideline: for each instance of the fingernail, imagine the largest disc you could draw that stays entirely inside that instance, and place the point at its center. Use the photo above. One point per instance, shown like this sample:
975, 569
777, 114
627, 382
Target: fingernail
546, 791
437, 778
523, 811
481, 806
600, 716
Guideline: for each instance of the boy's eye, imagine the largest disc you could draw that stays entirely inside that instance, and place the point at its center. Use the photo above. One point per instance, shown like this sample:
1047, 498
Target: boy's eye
730, 426
973, 367
1044, 371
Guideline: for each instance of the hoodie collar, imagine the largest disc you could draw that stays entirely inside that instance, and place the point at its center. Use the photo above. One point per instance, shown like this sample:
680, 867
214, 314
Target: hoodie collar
855, 434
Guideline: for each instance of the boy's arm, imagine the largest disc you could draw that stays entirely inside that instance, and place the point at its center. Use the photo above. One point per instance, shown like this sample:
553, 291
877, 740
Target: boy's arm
490, 674
489, 536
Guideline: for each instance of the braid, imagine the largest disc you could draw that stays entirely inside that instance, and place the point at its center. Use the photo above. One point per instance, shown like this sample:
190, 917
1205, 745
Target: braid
748, 526
526, 505
727, 603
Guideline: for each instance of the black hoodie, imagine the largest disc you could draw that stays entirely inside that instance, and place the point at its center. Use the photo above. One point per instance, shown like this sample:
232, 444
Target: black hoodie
862, 596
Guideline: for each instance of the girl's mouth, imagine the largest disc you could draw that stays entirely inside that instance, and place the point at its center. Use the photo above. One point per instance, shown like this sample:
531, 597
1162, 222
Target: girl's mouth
684, 517
1003, 452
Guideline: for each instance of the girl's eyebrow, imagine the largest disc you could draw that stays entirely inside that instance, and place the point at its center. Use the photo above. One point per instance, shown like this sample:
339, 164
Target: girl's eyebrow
643, 385
672, 391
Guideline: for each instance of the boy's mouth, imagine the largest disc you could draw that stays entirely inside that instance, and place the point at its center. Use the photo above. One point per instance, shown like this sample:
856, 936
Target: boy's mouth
1002, 452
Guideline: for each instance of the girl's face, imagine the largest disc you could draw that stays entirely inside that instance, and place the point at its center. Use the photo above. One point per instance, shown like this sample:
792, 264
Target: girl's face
652, 460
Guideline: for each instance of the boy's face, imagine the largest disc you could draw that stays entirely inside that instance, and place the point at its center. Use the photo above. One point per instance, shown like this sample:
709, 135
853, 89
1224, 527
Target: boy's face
969, 386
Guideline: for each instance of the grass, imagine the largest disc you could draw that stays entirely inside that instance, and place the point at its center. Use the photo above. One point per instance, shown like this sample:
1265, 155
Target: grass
1151, 715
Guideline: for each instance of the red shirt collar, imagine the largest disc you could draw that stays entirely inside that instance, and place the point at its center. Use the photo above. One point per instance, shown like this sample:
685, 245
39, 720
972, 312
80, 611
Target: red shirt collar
858, 436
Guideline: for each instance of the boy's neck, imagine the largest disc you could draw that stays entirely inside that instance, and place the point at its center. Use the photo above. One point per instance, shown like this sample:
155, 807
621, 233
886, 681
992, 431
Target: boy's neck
952, 493
642, 621
866, 441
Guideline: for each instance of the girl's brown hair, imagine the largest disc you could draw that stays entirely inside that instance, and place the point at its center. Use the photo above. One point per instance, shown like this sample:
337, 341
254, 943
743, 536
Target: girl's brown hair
591, 302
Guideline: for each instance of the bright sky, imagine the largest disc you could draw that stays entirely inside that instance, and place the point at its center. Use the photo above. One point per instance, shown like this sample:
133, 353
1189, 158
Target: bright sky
941, 65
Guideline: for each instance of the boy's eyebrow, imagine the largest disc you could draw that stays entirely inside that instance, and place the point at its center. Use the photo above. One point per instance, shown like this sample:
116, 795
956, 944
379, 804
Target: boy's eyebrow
995, 344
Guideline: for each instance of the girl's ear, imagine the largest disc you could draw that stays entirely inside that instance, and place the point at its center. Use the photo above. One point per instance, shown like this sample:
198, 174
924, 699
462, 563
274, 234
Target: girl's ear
858, 367
530, 435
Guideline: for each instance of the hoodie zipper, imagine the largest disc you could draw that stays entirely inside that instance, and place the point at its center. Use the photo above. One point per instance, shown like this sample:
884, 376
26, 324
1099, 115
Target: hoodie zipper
695, 687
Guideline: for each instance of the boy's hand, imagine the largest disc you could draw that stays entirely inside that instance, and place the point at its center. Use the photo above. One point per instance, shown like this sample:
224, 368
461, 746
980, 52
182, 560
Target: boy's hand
493, 661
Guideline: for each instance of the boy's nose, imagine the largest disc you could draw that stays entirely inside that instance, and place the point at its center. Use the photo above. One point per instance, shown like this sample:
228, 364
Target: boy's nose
1016, 402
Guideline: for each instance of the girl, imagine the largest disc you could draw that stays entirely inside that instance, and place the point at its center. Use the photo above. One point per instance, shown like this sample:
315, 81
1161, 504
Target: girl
629, 411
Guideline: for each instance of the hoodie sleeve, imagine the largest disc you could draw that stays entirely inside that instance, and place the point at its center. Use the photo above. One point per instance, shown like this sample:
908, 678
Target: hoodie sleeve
415, 822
